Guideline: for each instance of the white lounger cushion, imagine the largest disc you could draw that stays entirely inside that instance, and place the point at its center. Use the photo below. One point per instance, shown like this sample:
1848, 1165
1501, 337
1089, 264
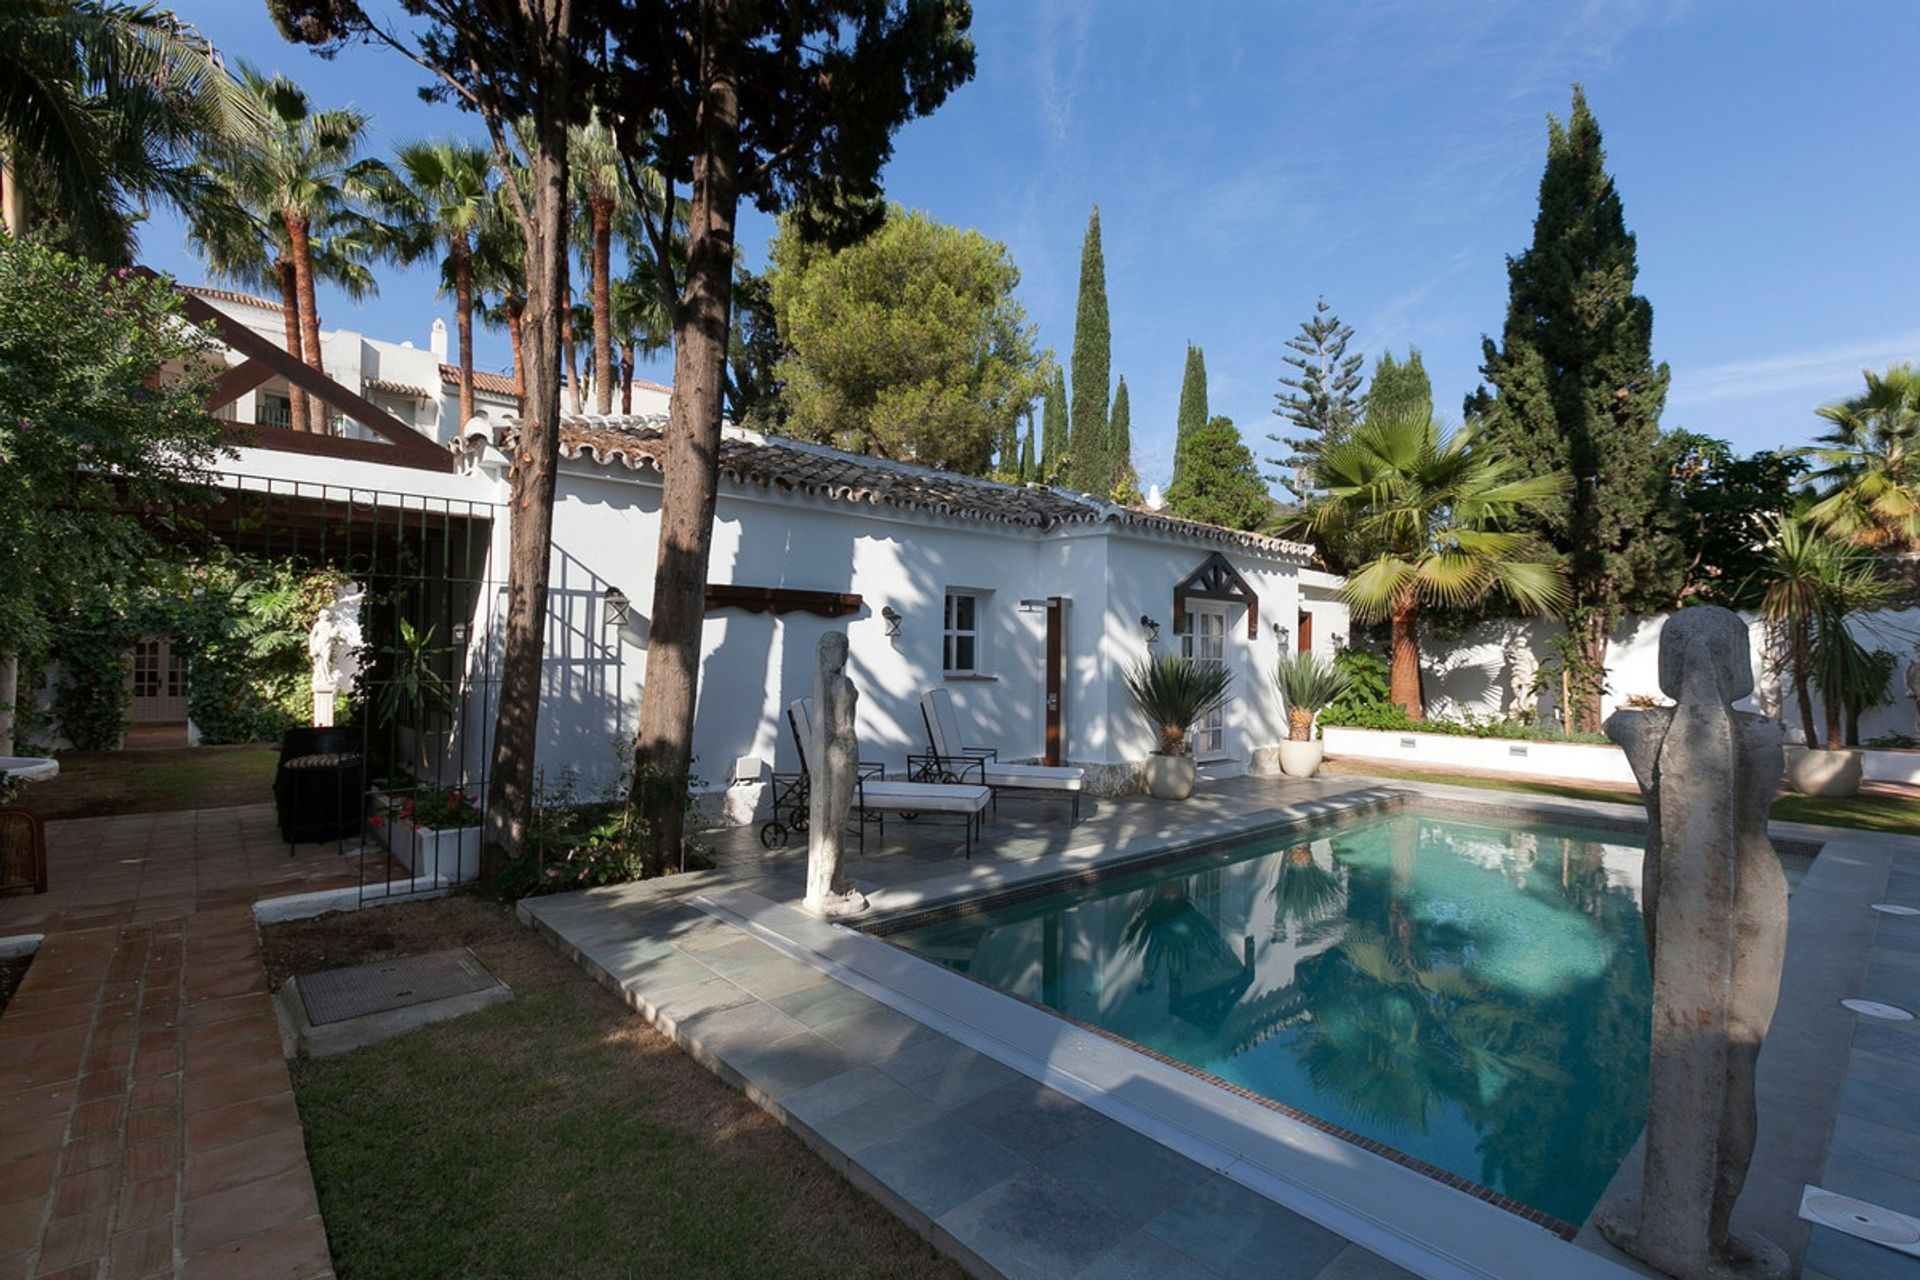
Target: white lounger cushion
945, 725
929, 797
1034, 777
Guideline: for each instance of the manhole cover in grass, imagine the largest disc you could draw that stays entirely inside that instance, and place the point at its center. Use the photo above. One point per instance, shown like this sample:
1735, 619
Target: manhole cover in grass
339, 994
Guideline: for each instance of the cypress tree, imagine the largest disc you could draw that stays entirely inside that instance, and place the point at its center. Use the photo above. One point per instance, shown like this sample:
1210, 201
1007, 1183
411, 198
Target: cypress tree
1026, 472
1574, 389
1007, 449
1221, 484
1126, 483
1193, 406
1399, 389
1324, 403
1090, 461
1053, 429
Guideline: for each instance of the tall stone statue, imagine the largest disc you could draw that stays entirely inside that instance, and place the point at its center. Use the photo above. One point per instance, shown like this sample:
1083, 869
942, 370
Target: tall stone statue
1716, 918
1913, 682
833, 761
333, 647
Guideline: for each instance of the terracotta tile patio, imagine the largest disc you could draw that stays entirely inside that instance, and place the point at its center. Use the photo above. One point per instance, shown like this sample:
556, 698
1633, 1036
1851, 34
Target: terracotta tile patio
147, 1120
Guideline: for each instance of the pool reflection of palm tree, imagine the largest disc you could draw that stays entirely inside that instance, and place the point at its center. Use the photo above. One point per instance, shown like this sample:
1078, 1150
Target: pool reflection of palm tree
1305, 891
1392, 1034
1174, 937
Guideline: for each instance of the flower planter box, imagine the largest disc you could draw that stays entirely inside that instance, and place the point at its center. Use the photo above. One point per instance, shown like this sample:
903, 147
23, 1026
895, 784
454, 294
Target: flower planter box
1583, 761
451, 853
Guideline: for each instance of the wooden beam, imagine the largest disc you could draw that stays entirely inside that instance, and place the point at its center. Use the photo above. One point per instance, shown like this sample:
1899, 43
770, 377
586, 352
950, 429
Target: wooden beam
236, 382
778, 600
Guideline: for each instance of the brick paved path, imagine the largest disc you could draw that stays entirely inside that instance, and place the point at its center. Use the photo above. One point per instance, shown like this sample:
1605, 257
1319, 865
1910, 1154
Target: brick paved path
147, 1121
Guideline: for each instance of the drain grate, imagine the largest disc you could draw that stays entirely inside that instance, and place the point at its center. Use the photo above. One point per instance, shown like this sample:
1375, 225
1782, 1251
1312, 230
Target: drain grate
339, 994
1858, 1218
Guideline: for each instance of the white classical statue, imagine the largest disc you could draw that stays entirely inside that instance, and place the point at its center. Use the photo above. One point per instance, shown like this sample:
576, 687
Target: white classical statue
1522, 670
333, 646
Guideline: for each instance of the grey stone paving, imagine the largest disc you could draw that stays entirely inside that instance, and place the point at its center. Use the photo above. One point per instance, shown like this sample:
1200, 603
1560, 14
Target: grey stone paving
1015, 1179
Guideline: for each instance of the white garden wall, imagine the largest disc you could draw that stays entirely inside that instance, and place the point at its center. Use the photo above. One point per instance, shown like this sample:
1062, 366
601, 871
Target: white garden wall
1587, 762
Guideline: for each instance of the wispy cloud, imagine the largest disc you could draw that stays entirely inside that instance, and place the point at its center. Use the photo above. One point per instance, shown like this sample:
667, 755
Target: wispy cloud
1827, 372
1060, 53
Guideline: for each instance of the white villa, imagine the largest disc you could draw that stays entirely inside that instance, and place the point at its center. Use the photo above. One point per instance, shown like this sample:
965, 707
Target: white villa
1028, 603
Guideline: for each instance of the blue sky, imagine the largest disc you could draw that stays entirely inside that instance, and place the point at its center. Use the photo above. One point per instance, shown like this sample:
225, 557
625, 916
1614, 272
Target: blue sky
1250, 158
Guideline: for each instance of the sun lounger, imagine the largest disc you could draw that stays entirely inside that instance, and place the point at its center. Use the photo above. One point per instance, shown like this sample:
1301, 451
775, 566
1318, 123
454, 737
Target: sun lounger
950, 757
875, 796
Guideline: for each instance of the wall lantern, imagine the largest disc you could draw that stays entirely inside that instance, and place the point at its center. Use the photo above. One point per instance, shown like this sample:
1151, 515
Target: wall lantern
892, 618
615, 608
1280, 634
1033, 606
1152, 629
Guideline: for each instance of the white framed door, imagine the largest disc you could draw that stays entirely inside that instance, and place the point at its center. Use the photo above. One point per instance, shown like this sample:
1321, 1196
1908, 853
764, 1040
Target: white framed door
1205, 643
159, 680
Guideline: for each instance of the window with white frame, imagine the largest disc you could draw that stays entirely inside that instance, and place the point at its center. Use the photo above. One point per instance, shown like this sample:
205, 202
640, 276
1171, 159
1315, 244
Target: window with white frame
960, 633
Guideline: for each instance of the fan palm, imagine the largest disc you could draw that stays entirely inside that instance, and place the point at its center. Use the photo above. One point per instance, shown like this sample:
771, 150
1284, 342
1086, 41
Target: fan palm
499, 270
305, 169
642, 325
440, 197
1434, 506
1870, 463
1812, 583
104, 106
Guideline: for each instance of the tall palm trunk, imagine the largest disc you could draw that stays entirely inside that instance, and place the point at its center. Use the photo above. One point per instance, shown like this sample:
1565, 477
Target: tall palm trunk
290, 309
573, 355
626, 377
463, 321
1404, 682
299, 229
516, 321
603, 366
663, 751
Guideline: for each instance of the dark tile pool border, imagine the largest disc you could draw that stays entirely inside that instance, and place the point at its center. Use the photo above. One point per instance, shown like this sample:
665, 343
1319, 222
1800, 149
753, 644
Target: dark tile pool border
1370, 806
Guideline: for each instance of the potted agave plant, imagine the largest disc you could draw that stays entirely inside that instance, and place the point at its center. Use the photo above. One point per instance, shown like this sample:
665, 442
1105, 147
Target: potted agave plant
1173, 692
1308, 682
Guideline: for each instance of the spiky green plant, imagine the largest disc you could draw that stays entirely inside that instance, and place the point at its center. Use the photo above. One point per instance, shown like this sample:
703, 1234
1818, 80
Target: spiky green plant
1174, 691
1308, 682
1813, 582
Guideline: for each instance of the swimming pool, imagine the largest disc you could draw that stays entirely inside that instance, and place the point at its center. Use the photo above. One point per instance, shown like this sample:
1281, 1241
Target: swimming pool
1470, 994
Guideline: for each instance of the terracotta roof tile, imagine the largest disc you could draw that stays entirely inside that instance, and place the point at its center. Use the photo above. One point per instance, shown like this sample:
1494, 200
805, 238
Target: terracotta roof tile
777, 463
498, 384
397, 389
228, 295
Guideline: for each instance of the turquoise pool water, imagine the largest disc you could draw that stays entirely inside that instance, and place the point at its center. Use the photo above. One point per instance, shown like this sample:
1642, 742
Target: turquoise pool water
1474, 996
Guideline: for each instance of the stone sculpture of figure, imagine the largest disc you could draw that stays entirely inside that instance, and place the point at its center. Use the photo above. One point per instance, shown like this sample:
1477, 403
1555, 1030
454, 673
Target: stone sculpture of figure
1913, 683
1716, 916
833, 761
333, 647
1522, 669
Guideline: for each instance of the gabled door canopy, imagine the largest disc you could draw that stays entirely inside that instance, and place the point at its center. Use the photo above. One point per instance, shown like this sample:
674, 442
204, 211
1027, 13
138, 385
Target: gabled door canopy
1216, 580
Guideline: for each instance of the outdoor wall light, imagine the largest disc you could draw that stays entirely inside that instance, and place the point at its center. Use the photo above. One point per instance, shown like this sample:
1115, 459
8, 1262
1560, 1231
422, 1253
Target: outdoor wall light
615, 608
1152, 629
1280, 633
892, 618
1033, 606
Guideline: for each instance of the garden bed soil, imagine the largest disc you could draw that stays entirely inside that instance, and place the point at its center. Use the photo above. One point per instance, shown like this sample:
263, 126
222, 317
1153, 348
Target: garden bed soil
12, 970
560, 1135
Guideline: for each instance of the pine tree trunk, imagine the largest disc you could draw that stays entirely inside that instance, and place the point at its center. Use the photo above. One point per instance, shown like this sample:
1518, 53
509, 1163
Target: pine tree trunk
603, 366
290, 308
690, 475
626, 377
463, 321
1590, 682
535, 461
1404, 681
298, 229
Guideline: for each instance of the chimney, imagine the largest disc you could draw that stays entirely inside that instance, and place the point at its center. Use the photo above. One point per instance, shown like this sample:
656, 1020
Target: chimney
438, 342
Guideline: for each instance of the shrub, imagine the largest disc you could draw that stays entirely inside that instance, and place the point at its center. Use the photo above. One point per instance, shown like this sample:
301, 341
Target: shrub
1367, 686
1391, 718
436, 808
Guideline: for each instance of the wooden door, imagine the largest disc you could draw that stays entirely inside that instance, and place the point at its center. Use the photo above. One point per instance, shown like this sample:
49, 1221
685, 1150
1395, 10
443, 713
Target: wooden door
1056, 682
1305, 632
159, 681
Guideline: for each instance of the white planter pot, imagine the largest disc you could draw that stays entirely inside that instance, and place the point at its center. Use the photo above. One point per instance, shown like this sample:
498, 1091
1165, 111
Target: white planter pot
1301, 759
1833, 773
1169, 777
452, 853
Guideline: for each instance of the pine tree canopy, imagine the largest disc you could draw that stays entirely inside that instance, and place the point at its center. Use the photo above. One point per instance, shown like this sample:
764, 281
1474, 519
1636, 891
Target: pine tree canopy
1091, 465
1054, 440
1193, 406
1324, 402
1573, 387
1221, 484
1399, 389
1126, 483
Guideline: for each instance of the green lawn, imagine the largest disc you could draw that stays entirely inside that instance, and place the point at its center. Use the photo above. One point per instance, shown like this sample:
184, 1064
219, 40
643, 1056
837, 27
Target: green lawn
95, 784
557, 1134
1863, 812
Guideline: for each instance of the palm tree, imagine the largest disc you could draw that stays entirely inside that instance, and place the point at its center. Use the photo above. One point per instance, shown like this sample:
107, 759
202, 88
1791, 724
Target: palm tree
1432, 506
441, 197
1870, 463
246, 244
104, 106
642, 325
1812, 583
499, 270
306, 169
